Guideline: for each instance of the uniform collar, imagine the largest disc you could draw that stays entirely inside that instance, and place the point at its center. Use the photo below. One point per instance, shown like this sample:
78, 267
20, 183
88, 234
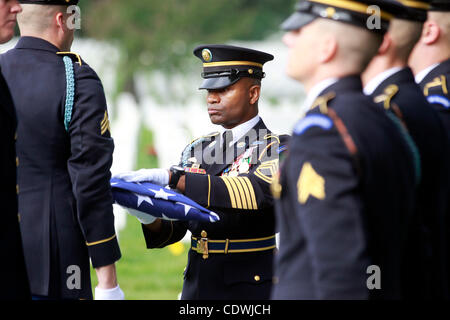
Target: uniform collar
240, 130
350, 83
422, 74
315, 91
373, 84
433, 71
37, 44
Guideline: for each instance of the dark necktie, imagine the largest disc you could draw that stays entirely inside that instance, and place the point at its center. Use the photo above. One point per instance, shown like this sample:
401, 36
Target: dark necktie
227, 137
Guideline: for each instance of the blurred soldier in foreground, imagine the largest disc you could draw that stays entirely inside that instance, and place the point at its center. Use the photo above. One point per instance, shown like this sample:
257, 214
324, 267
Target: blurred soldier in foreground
347, 186
14, 283
430, 59
391, 84
65, 153
229, 172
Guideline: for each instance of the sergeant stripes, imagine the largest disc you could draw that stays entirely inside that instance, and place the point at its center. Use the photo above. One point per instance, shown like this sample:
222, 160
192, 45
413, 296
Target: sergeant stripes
242, 194
105, 124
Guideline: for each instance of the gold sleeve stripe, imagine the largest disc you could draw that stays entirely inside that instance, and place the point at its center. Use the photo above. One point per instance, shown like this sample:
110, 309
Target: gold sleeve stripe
230, 191
209, 191
246, 194
236, 193
89, 244
252, 192
241, 193
263, 177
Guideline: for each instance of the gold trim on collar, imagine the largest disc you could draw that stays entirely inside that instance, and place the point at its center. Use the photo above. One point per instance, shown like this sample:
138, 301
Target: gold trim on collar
353, 6
72, 53
415, 4
232, 63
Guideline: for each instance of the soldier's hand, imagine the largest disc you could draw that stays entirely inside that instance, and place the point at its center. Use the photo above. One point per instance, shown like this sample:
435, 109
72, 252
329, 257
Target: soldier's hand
157, 176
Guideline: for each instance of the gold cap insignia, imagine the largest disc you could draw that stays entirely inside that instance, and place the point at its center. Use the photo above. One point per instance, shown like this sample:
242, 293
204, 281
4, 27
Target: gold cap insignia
207, 55
330, 12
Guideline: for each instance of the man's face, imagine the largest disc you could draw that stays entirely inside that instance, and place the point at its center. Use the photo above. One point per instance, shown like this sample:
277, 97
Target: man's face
8, 13
231, 106
301, 44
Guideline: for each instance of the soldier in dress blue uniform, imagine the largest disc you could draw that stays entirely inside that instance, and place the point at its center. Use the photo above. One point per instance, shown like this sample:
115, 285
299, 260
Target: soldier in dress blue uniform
65, 201
14, 283
390, 82
230, 172
430, 59
347, 186
430, 62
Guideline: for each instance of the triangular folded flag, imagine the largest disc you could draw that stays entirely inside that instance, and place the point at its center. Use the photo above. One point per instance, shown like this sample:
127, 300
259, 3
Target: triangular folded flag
159, 202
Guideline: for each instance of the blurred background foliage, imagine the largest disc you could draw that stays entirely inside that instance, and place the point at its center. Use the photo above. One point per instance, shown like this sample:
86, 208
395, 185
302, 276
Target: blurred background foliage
160, 35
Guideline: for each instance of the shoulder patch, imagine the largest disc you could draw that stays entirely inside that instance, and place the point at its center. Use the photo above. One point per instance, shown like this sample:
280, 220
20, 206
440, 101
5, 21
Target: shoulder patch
310, 183
435, 99
387, 96
74, 56
313, 120
440, 81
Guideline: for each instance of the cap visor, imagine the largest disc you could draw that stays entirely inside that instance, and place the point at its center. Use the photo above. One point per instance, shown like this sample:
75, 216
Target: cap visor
297, 20
217, 83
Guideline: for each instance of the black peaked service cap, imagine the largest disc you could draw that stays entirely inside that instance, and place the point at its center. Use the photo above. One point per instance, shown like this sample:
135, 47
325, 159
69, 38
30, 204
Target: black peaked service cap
224, 65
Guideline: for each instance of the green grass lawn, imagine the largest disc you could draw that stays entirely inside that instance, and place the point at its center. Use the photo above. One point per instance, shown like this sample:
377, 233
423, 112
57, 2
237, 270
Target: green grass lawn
144, 274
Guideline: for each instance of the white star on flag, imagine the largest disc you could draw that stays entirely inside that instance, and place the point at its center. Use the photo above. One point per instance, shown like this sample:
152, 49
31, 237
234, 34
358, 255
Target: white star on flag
141, 199
161, 194
186, 207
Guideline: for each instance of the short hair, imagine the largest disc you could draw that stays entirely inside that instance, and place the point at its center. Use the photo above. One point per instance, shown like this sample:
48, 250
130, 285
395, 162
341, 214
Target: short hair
39, 17
357, 46
257, 82
405, 35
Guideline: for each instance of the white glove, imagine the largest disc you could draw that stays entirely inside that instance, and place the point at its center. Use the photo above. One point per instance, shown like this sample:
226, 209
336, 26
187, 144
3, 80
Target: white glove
157, 176
109, 294
143, 217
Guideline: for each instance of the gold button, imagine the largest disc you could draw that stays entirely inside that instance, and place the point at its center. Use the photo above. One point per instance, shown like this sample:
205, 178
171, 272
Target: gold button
15, 136
257, 278
204, 234
17, 161
17, 188
250, 71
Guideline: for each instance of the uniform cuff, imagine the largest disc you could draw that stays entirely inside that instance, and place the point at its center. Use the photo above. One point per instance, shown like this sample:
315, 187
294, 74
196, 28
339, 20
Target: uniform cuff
198, 188
104, 253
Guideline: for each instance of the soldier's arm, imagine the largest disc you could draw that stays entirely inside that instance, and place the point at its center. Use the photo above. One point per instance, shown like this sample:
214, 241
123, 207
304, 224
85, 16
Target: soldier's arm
249, 191
89, 167
324, 187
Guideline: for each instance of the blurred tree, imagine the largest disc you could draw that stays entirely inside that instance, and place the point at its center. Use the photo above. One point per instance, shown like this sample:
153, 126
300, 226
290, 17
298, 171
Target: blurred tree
160, 34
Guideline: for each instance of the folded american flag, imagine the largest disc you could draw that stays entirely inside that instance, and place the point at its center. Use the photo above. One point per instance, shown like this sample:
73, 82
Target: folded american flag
159, 202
